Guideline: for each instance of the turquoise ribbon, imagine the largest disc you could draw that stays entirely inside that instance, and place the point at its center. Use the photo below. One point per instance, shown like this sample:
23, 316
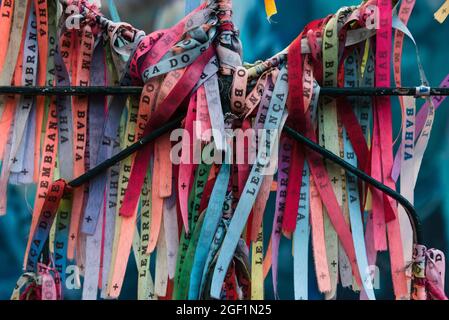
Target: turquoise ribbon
301, 239
211, 221
356, 219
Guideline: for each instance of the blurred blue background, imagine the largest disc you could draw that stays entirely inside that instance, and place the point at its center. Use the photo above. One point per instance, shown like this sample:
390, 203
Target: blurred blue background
262, 39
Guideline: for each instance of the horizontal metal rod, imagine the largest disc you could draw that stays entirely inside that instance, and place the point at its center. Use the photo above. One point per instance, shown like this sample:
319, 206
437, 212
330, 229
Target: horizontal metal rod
175, 123
117, 90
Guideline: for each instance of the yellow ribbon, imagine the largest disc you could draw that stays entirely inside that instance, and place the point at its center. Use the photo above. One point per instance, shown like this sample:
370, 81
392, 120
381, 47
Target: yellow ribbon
441, 14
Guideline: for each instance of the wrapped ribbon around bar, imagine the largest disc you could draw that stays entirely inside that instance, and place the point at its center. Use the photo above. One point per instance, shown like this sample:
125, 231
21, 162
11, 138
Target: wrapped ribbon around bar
183, 173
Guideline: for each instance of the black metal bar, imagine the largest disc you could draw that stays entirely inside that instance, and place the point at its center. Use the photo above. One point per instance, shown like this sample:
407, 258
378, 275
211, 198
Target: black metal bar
71, 91
117, 90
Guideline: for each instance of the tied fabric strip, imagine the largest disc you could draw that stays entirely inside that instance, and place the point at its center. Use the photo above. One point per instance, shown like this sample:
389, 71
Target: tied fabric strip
204, 217
47, 166
383, 104
95, 123
19, 17
43, 44
328, 126
270, 8
356, 221
79, 113
113, 11
421, 119
211, 223
295, 104
191, 5
383, 110
442, 13
14, 161
330, 201
6, 14
124, 227
282, 181
45, 221
424, 134
301, 239
109, 140
252, 187
167, 108
354, 196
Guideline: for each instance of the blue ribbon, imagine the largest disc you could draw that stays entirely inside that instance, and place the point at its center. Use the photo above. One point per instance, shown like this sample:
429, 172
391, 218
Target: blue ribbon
212, 219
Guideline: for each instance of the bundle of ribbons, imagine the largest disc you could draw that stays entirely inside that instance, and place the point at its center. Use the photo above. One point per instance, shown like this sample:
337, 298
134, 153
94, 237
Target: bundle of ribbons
442, 12
191, 205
